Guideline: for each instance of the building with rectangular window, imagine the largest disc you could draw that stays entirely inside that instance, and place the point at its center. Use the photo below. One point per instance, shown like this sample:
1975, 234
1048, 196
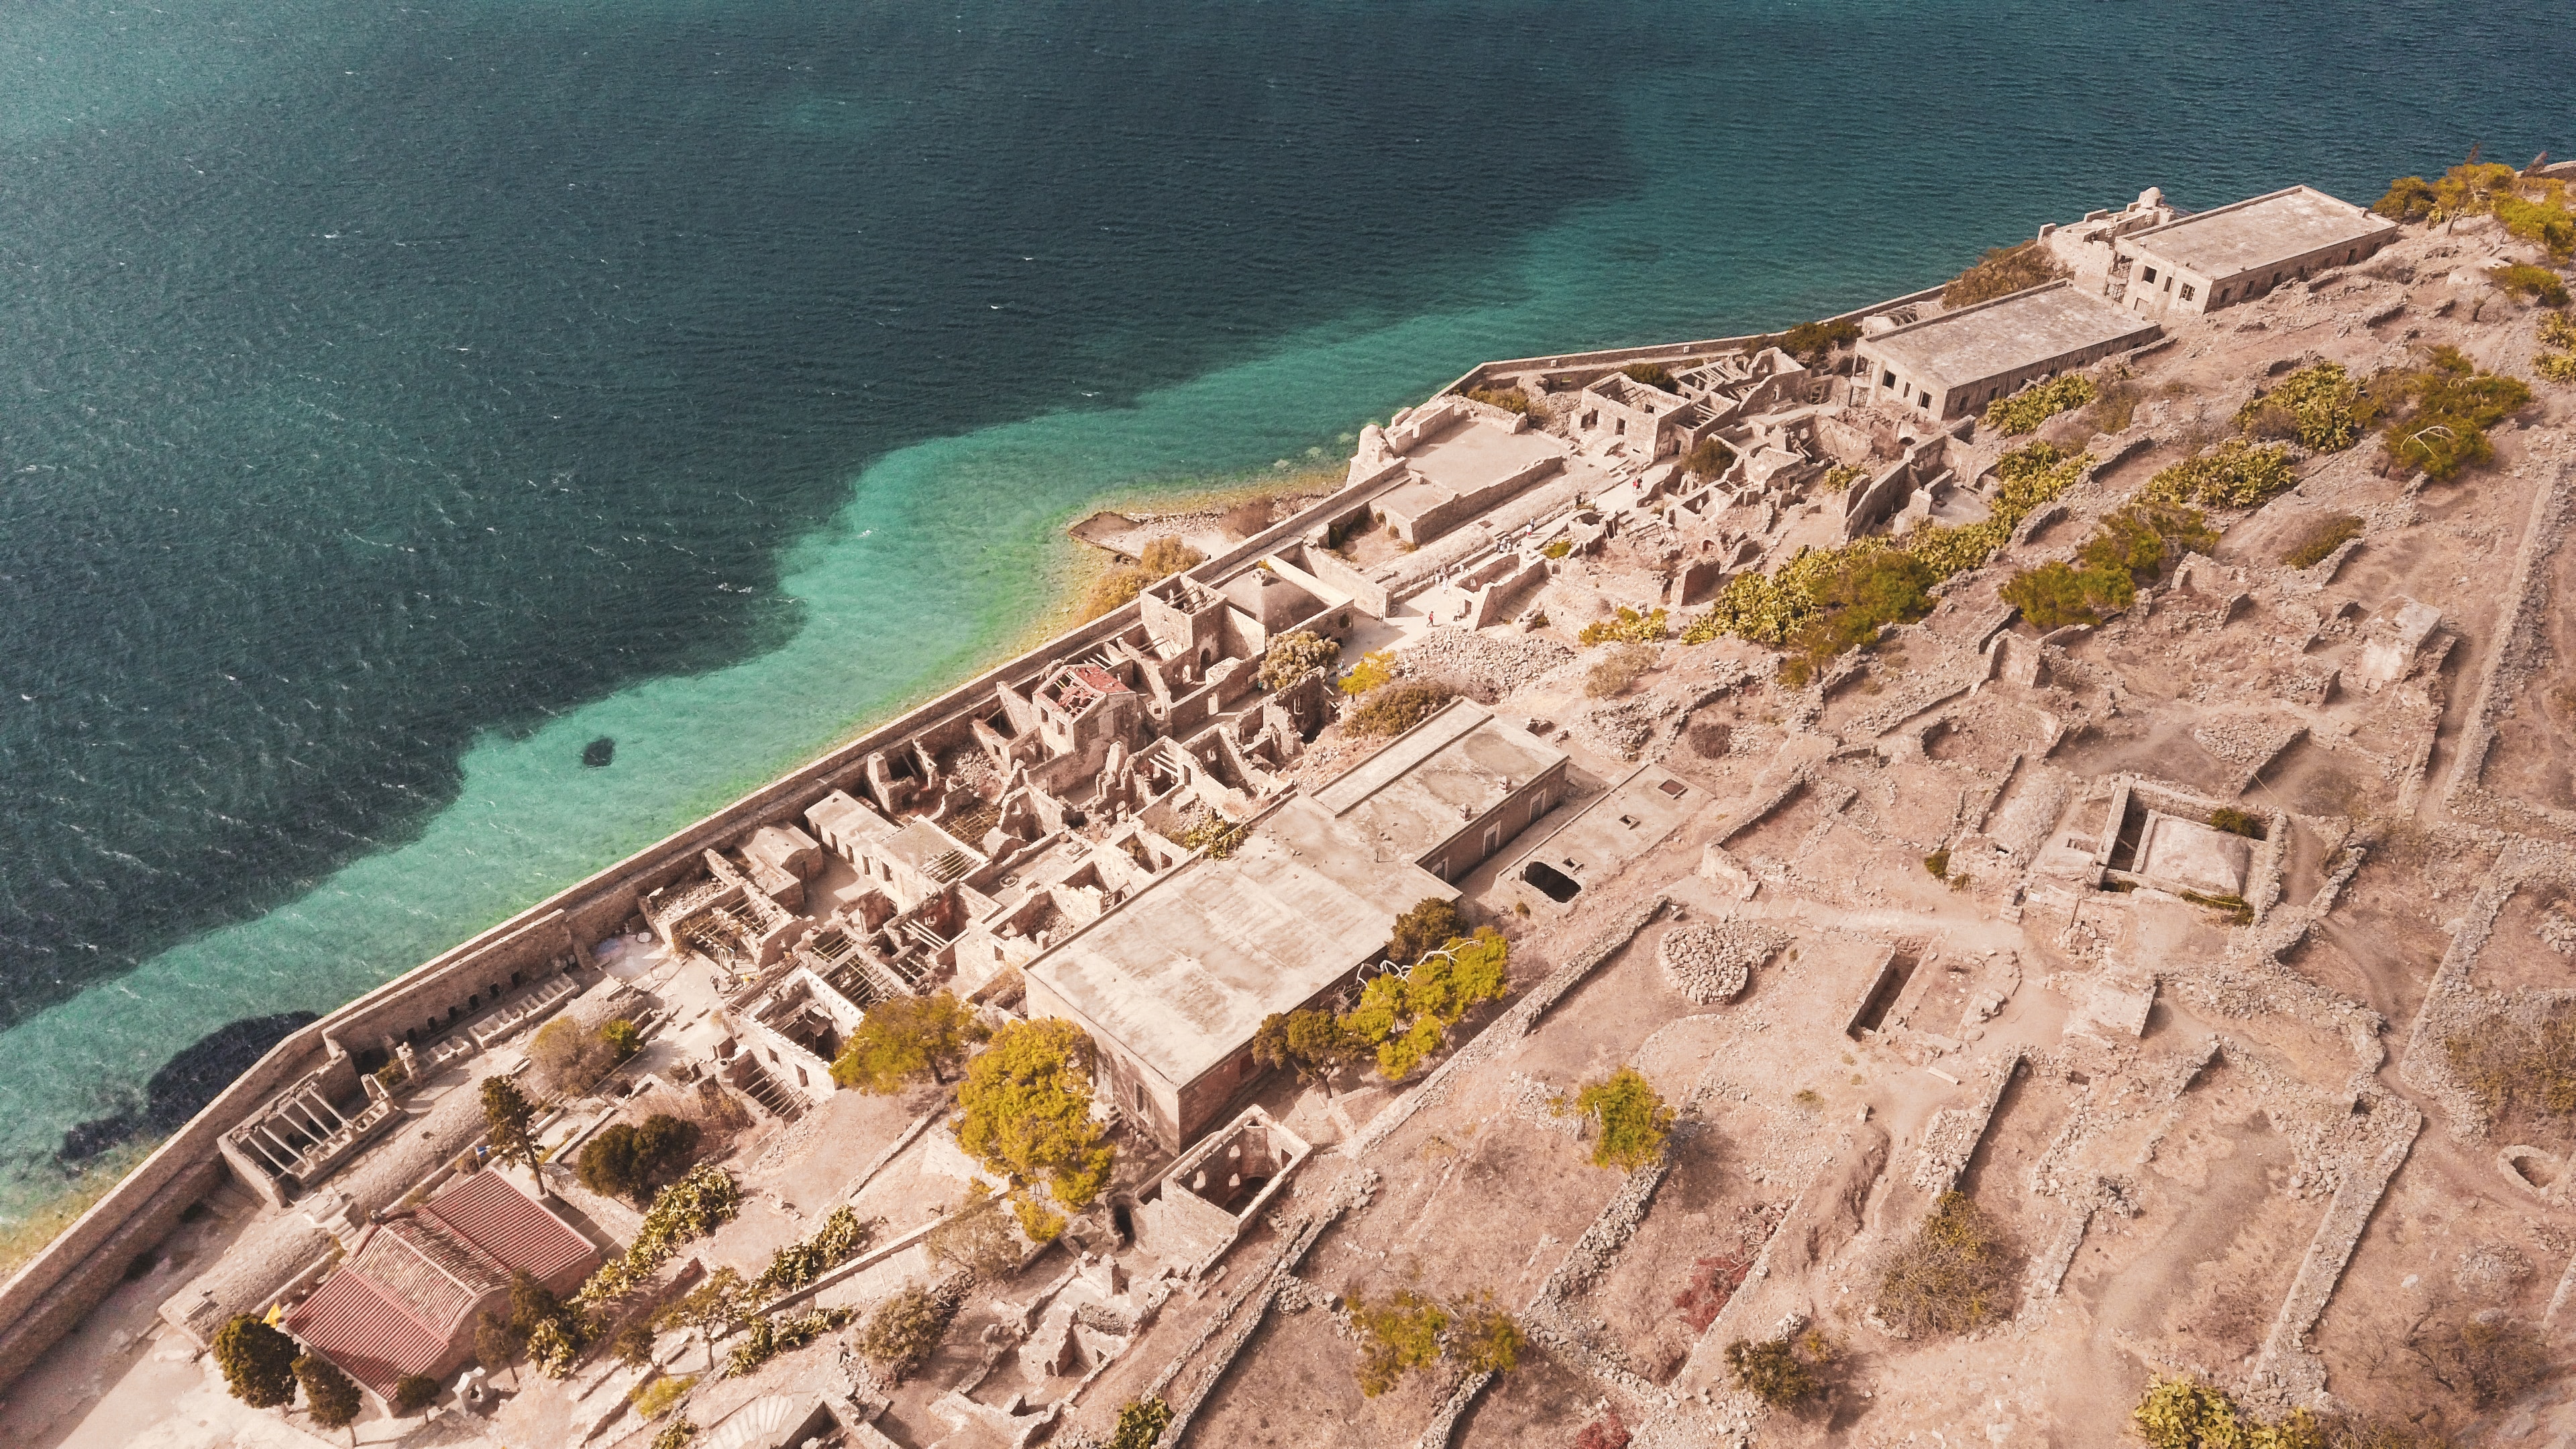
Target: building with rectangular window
1172, 983
1956, 363
2235, 253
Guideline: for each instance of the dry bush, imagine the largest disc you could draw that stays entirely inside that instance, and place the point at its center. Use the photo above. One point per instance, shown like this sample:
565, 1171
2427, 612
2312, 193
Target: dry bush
905, 1331
2486, 1360
2322, 538
571, 1057
1781, 1372
1250, 517
1622, 666
1954, 1275
1396, 708
1710, 740
2525, 1077
2000, 273
1168, 555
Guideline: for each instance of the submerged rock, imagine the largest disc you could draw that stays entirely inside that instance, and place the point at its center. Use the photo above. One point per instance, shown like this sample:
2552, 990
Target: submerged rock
185, 1083
599, 752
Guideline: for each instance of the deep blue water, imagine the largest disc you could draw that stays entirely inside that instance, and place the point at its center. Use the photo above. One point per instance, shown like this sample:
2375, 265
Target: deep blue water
393, 399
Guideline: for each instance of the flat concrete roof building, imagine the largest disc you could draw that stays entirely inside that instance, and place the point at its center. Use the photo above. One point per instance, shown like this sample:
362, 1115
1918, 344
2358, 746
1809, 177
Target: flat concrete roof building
1173, 982
2242, 251
1448, 792
1960, 361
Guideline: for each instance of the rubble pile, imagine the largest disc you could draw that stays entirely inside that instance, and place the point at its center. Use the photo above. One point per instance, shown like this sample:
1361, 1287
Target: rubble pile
1487, 667
1710, 964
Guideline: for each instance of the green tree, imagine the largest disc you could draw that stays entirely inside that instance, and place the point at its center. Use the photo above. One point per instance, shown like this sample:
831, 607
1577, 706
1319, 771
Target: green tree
1485, 1339
1397, 1335
413, 1393
329, 1396
905, 1331
1292, 656
1632, 1119
258, 1362
1431, 922
507, 1116
623, 1160
1027, 1110
1313, 1042
899, 1040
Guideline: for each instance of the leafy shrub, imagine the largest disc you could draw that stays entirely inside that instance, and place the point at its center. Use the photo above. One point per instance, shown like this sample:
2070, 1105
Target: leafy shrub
899, 1040
1938, 862
258, 1362
1809, 342
657, 1398
1294, 655
628, 1161
1709, 459
2128, 548
2184, 1413
2538, 221
2321, 406
1632, 1119
1626, 625
767, 1337
842, 1236
570, 1057
413, 1393
1622, 666
1398, 1334
703, 1200
1841, 477
1027, 1110
2557, 329
2469, 189
674, 1435
2555, 366
2322, 538
2238, 473
905, 1331
1781, 1372
1652, 374
1396, 708
1375, 670
391, 1076
2537, 284
2025, 410
1484, 1339
329, 1395
1557, 548
552, 1346
1141, 1423
1510, 399
1313, 1042
2001, 272
1954, 1275
2448, 404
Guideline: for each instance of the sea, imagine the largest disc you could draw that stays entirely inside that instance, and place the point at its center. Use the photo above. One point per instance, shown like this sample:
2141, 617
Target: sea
397, 398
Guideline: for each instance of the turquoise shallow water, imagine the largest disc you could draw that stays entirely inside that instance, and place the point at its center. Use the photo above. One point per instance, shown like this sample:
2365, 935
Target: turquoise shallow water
400, 400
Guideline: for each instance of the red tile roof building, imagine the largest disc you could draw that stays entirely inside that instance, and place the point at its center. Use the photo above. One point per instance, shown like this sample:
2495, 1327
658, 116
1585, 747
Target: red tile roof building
406, 1301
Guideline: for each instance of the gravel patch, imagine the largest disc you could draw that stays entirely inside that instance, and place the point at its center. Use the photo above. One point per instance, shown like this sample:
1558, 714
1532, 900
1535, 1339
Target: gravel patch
1710, 964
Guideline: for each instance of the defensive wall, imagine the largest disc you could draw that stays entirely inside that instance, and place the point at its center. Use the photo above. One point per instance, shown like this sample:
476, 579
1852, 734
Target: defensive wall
50, 1294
